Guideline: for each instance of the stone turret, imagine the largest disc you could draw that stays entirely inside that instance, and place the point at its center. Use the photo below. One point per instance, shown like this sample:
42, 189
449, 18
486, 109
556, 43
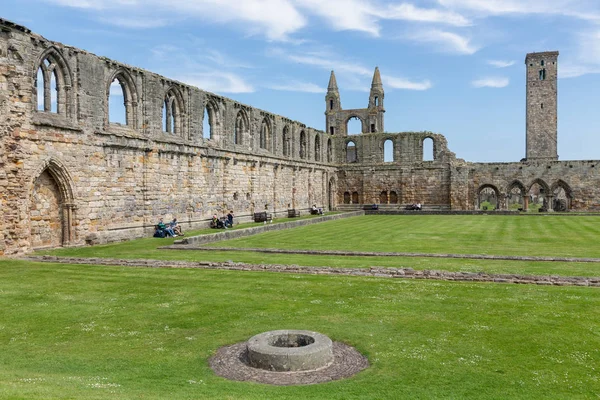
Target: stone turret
376, 108
333, 104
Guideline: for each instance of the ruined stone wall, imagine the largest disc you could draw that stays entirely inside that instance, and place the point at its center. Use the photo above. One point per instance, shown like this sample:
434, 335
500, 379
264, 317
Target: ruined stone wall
113, 181
410, 177
579, 179
69, 176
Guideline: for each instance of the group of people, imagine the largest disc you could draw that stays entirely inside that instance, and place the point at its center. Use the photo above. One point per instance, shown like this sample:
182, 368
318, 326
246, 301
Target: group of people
223, 222
172, 229
316, 211
415, 207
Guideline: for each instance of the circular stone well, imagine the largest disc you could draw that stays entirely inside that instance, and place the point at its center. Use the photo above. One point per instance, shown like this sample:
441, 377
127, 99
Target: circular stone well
290, 350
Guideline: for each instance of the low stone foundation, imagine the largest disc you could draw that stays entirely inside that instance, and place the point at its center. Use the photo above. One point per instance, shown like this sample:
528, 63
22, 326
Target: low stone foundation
379, 272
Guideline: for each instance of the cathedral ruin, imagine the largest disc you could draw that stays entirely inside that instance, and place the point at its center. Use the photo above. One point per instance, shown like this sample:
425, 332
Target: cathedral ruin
69, 176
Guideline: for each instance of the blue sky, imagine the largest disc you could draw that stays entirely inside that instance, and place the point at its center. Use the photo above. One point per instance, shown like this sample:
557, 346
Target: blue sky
455, 67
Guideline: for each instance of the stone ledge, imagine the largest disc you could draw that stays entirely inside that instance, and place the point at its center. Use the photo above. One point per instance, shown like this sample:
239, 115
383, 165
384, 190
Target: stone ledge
234, 234
373, 272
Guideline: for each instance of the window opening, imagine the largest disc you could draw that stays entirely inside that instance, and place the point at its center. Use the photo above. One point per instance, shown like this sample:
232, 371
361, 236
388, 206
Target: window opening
351, 155
388, 151
206, 124
117, 111
428, 149
354, 126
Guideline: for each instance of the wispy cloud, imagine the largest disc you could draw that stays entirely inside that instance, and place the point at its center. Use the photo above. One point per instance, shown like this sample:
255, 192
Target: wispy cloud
354, 71
296, 86
189, 65
409, 12
586, 58
217, 81
445, 41
501, 63
400, 83
580, 9
492, 82
275, 19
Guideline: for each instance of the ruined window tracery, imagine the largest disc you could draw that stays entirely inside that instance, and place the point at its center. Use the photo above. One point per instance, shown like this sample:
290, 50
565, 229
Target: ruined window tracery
317, 148
351, 154
286, 141
52, 84
303, 145
122, 100
242, 127
173, 112
265, 134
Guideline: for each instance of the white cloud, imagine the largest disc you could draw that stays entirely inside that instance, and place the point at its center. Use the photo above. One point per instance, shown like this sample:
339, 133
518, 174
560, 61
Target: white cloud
217, 81
408, 12
492, 82
501, 63
400, 83
296, 86
353, 71
354, 15
134, 22
365, 16
275, 19
586, 59
446, 41
581, 9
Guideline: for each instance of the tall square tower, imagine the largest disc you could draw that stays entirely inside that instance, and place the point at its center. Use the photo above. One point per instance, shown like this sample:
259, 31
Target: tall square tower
542, 105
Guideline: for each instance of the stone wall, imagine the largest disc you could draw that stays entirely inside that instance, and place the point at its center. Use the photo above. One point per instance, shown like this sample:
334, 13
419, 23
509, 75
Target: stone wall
70, 176
102, 181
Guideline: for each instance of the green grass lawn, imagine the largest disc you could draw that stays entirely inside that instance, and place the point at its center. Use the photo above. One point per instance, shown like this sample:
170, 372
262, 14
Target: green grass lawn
551, 235
91, 332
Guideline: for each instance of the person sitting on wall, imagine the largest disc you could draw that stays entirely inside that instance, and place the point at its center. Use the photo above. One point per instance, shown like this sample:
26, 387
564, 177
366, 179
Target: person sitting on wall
214, 222
174, 225
162, 227
222, 224
229, 222
374, 207
314, 210
418, 207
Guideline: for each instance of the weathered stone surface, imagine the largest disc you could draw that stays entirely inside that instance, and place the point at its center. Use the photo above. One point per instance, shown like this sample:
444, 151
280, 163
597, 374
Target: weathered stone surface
70, 176
380, 272
289, 350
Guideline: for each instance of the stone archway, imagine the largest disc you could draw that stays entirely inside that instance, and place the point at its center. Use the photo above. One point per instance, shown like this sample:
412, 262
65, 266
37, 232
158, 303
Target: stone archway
488, 197
45, 213
51, 208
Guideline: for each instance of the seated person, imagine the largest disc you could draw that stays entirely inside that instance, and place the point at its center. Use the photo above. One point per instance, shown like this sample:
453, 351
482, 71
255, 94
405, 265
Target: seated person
161, 226
314, 210
418, 207
214, 222
174, 225
230, 219
222, 223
